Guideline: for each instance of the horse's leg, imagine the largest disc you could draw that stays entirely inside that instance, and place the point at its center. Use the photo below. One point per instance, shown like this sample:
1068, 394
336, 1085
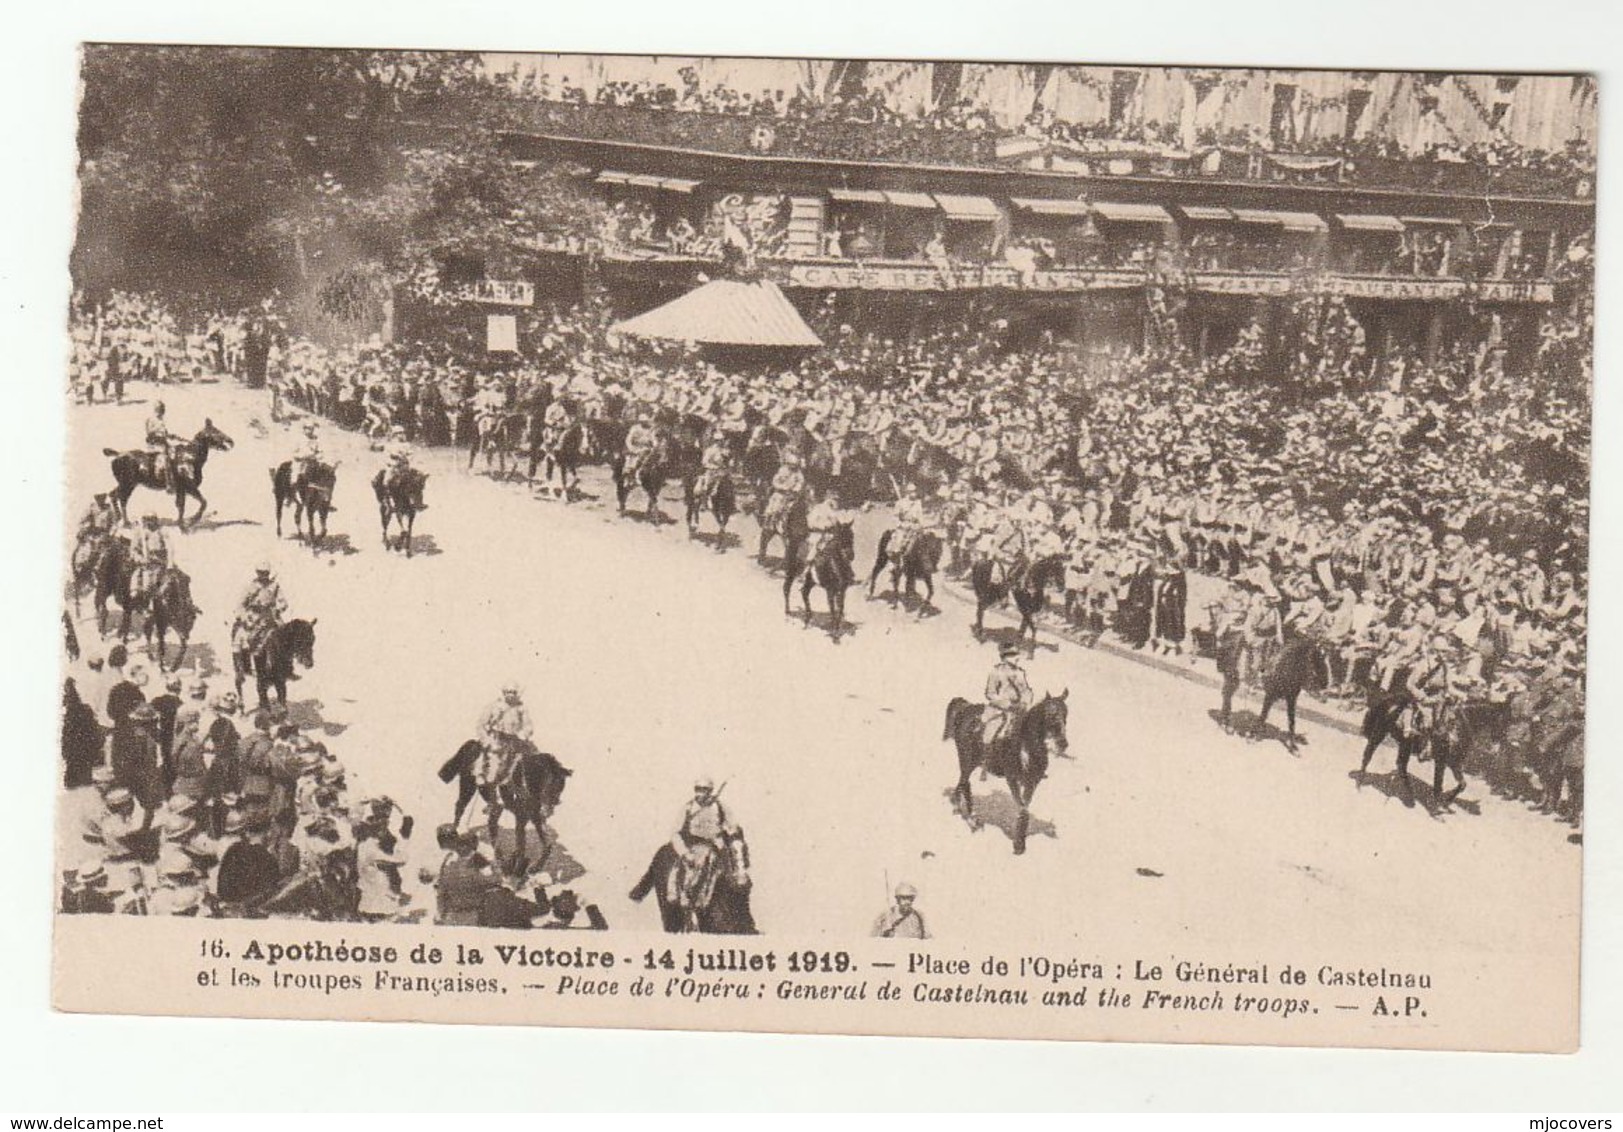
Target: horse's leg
1405, 788
805, 594
1231, 684
1023, 823
411, 521
1261, 725
1374, 741
929, 594
1290, 719
466, 788
879, 568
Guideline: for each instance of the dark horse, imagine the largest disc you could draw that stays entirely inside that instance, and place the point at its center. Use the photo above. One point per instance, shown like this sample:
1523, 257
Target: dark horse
400, 497
727, 909
1300, 664
166, 604
1020, 759
532, 791
1028, 583
719, 494
918, 564
498, 436
788, 525
311, 497
271, 664
832, 567
140, 468
1388, 716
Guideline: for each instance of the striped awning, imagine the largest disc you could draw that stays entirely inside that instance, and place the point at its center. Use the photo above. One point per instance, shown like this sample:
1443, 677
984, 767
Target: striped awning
647, 181
678, 184
1290, 221
610, 177
1434, 221
1368, 222
1051, 207
910, 200
1132, 213
857, 196
1205, 212
726, 312
966, 208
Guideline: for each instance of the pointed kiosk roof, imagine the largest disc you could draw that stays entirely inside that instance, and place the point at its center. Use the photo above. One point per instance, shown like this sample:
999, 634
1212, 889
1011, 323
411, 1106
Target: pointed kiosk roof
726, 312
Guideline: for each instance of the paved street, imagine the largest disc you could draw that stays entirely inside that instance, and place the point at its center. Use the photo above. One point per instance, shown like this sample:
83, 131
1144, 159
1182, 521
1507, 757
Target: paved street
648, 658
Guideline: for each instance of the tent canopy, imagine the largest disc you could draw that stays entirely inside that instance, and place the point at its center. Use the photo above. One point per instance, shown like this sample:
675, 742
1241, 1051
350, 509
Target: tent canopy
726, 312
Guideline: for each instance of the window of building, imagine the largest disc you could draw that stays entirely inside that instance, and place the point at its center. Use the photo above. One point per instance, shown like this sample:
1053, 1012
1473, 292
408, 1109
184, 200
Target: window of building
1282, 124
1357, 106
1123, 93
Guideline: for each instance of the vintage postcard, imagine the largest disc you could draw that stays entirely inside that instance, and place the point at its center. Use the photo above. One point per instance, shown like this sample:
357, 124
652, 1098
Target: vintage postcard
925, 548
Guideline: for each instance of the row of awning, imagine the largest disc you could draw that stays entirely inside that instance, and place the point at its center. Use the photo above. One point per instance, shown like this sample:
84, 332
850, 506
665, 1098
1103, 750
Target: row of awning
981, 209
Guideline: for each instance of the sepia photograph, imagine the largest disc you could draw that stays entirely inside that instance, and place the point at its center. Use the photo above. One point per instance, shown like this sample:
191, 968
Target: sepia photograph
1072, 550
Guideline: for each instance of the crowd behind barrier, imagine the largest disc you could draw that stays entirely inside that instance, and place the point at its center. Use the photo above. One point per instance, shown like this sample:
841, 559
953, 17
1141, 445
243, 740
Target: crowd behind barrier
1411, 517
861, 125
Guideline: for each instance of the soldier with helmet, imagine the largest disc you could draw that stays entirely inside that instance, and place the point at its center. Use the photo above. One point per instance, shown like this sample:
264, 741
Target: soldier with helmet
901, 920
259, 612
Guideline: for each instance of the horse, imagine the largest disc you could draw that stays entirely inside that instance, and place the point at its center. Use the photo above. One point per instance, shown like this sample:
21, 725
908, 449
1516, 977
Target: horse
115, 578
532, 790
830, 567
497, 435
759, 462
919, 563
725, 910
170, 606
400, 497
651, 474
271, 664
1300, 663
311, 497
719, 495
1385, 718
1028, 583
139, 468
1021, 763
789, 525
85, 563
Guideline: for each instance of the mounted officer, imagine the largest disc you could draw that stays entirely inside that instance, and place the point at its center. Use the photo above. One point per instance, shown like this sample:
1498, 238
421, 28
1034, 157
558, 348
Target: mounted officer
788, 484
716, 460
160, 445
911, 520
260, 611
151, 554
1008, 695
504, 733
705, 828
641, 441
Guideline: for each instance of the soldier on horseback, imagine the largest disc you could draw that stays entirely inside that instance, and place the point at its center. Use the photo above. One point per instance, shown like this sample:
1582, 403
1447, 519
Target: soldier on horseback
160, 445
821, 520
716, 460
911, 520
700, 837
150, 552
1008, 695
308, 457
259, 613
555, 422
788, 484
504, 733
641, 441
398, 453
99, 520
1429, 685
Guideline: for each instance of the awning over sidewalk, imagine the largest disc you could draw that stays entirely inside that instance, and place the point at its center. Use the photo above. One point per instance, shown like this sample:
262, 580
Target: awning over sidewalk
1289, 221
966, 208
726, 312
1042, 207
1365, 222
1132, 213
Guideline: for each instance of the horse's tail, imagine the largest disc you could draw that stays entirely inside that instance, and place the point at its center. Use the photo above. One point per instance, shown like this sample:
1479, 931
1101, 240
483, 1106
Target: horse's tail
980, 577
884, 549
955, 710
113, 452
460, 763
652, 876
